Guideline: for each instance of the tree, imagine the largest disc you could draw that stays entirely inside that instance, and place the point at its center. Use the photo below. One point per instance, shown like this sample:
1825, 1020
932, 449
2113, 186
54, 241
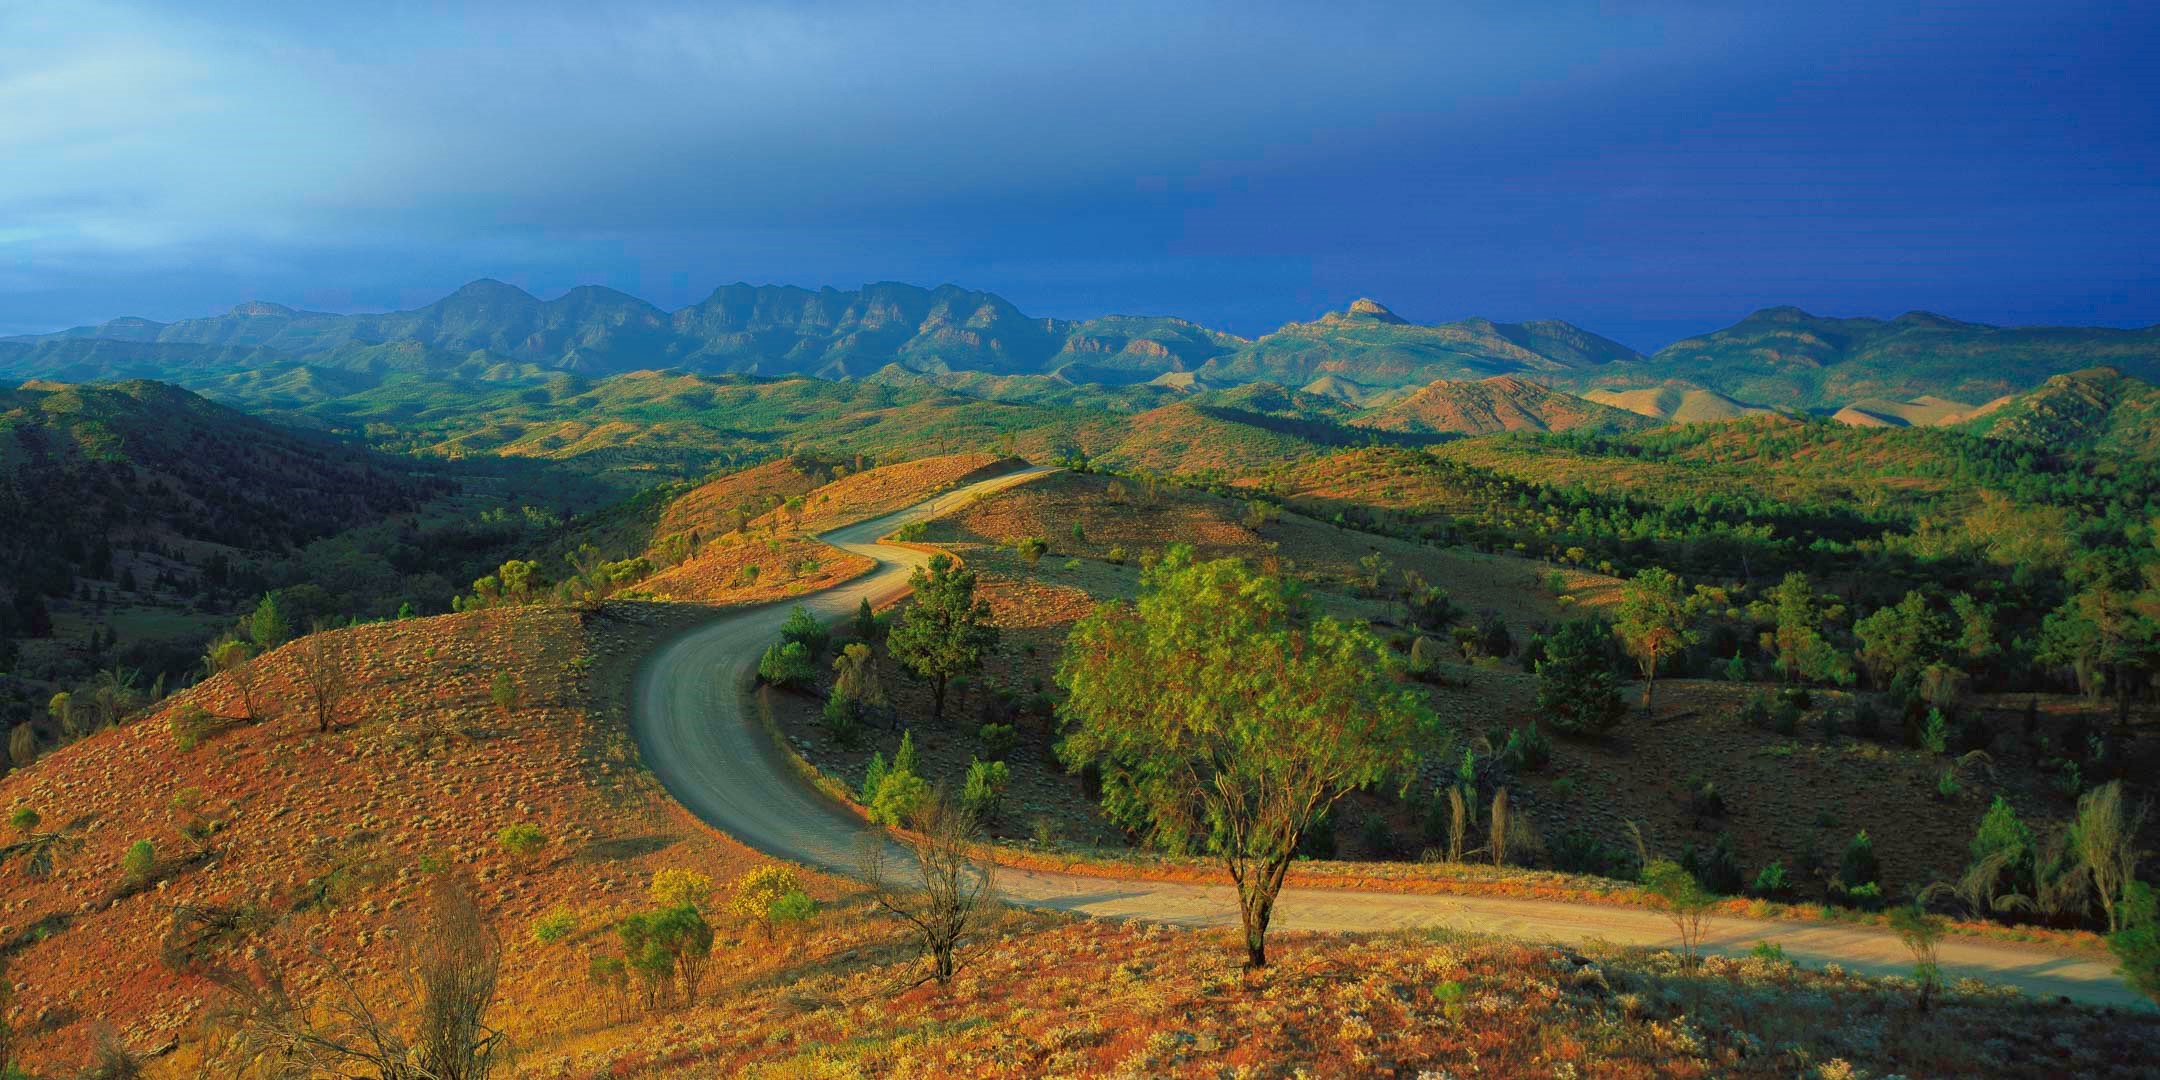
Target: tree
231, 658
503, 692
803, 627
2105, 635
2136, 945
1656, 621
786, 664
1920, 932
2104, 837
758, 890
945, 896
1675, 892
1898, 641
451, 965
857, 688
985, 789
322, 675
61, 708
1225, 712
1797, 637
269, 626
680, 887
2003, 871
946, 631
1575, 680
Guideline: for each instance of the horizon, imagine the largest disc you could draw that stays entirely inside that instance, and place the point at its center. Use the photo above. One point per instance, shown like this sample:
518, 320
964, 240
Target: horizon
554, 295
1648, 174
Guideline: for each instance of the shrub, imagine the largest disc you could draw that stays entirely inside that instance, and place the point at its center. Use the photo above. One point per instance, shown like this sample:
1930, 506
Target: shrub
1769, 950
1115, 556
801, 628
24, 819
1785, 718
504, 692
1717, 869
1578, 852
840, 714
676, 887
1576, 689
1031, 549
140, 862
756, 891
790, 908
1935, 733
1377, 836
985, 787
873, 775
998, 740
554, 927
522, 840
1685, 902
1771, 882
1858, 866
2137, 945
868, 627
1867, 719
787, 665
1526, 750
1706, 801
898, 796
1424, 658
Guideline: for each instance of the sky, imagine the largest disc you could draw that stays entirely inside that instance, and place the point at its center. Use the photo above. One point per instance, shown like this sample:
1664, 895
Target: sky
1646, 170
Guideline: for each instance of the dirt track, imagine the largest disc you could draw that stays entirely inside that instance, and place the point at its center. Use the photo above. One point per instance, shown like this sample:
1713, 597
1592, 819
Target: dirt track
695, 731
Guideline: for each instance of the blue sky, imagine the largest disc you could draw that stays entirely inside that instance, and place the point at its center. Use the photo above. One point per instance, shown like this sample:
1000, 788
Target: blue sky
1646, 170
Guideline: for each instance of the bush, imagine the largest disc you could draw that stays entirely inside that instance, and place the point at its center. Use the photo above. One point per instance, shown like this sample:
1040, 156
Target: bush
522, 840
1755, 712
998, 740
1859, 867
791, 907
1424, 658
139, 864
788, 665
24, 819
1935, 732
1377, 836
1578, 852
803, 629
1867, 719
985, 787
899, 794
554, 927
873, 775
503, 692
1706, 801
1576, 688
1717, 869
1771, 882
840, 715
1785, 718
677, 887
2137, 944
1527, 749
757, 891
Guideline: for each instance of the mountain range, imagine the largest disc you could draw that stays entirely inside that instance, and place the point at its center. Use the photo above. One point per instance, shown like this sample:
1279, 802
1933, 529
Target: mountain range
1916, 368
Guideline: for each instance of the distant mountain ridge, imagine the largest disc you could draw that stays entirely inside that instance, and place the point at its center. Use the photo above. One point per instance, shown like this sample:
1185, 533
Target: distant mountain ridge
1786, 357
1876, 370
1501, 403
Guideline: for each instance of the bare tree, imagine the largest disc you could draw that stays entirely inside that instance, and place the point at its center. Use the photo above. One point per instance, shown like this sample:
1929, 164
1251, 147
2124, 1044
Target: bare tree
452, 961
944, 897
322, 675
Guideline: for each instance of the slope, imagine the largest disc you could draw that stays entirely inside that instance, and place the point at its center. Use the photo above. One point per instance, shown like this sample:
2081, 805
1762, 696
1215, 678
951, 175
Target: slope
1374, 347
1501, 403
2099, 410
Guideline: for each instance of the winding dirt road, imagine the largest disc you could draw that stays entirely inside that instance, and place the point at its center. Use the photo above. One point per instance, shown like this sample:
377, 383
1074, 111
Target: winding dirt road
693, 725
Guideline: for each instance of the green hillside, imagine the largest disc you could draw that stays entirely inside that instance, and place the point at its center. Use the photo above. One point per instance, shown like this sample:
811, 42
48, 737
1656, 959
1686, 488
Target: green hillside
1787, 357
2099, 410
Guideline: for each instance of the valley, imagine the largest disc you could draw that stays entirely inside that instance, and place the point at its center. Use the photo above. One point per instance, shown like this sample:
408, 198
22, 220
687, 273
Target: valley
307, 615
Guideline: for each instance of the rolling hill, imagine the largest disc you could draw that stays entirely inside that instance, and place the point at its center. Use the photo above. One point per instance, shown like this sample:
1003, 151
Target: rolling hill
1501, 403
1787, 357
2100, 410
1373, 347
140, 482
1677, 403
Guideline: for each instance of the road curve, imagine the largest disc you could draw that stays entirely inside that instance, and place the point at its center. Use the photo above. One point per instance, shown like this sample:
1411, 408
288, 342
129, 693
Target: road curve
694, 728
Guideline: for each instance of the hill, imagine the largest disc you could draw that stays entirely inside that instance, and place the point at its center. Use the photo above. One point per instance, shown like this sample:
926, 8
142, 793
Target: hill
1372, 346
146, 490
1787, 357
2099, 410
1677, 403
1501, 403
